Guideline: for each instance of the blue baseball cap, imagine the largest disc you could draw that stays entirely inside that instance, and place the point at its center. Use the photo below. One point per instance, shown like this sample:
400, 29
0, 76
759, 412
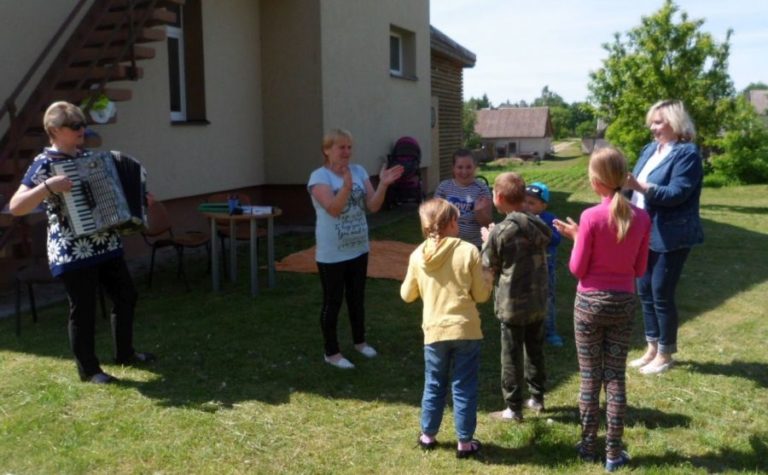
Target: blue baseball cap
539, 190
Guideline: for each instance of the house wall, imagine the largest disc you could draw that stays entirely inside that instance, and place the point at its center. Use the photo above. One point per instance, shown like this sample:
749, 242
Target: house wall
358, 92
184, 160
541, 146
26, 29
292, 89
447, 85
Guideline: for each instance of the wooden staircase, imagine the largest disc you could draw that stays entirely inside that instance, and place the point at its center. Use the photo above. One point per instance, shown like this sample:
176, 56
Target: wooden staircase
105, 46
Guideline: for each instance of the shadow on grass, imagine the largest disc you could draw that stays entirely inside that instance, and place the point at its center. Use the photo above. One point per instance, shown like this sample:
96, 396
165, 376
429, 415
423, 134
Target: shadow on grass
756, 371
636, 416
720, 460
751, 210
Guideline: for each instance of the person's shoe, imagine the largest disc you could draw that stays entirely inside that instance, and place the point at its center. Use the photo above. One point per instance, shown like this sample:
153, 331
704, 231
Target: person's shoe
638, 363
656, 368
427, 445
367, 351
137, 358
341, 363
613, 465
101, 378
537, 405
585, 456
471, 452
555, 340
508, 415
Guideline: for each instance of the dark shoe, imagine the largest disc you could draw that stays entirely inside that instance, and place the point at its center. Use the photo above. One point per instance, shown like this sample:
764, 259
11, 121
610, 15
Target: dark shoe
101, 378
137, 358
585, 456
427, 445
465, 454
613, 465
535, 404
555, 340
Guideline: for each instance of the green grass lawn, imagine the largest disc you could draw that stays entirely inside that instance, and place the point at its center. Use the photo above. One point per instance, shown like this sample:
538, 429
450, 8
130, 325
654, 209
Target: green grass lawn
240, 386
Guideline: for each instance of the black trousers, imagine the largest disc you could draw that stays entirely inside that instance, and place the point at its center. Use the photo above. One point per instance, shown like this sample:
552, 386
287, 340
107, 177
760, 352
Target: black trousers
82, 286
337, 278
522, 361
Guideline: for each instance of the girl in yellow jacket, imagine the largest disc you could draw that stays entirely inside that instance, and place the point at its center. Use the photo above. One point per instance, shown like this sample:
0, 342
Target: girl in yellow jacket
448, 275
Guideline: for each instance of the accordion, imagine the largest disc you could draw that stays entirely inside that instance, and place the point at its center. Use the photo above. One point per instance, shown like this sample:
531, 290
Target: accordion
108, 191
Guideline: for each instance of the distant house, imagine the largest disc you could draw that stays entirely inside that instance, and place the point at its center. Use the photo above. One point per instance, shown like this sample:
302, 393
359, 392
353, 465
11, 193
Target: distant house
759, 99
515, 131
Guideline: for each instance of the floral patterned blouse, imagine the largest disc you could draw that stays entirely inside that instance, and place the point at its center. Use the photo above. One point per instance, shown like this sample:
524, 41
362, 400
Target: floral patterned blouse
67, 252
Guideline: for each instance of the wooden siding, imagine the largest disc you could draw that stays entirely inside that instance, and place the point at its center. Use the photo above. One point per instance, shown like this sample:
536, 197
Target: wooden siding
448, 87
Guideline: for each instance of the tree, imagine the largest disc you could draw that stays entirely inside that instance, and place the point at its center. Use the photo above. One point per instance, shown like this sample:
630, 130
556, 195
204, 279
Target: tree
663, 59
471, 139
756, 85
741, 151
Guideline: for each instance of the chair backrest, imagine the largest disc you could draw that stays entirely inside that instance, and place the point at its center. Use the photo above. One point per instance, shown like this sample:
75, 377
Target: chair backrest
159, 223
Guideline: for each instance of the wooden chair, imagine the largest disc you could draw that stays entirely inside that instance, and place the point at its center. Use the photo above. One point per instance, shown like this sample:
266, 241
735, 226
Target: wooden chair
160, 235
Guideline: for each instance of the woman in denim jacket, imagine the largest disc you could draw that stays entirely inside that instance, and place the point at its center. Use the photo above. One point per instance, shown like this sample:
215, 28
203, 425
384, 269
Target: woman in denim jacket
666, 182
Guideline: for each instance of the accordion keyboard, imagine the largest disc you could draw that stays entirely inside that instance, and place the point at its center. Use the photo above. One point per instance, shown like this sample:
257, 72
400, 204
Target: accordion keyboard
79, 200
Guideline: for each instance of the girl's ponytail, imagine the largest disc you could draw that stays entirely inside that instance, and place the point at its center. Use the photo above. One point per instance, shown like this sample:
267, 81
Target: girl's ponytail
609, 167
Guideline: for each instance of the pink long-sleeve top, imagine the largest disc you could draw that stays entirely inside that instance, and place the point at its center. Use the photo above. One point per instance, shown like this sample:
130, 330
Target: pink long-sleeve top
602, 263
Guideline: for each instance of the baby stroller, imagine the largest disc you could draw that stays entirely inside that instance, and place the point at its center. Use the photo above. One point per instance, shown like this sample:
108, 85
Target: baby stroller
407, 188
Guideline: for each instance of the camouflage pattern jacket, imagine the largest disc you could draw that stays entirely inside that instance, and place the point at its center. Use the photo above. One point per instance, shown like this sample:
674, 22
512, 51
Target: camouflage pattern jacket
516, 252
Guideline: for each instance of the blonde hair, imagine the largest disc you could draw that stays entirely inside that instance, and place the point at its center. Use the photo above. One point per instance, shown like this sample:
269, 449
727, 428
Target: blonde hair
609, 167
59, 114
330, 138
674, 113
435, 215
511, 187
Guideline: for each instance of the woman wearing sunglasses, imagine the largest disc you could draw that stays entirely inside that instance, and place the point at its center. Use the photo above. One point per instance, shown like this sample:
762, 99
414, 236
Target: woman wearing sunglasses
83, 263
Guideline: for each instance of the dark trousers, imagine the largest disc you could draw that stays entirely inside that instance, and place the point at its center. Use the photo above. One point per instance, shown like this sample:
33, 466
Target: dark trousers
522, 361
602, 324
82, 286
657, 294
337, 278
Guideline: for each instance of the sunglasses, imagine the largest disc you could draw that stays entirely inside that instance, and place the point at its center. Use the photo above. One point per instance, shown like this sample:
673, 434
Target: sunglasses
76, 126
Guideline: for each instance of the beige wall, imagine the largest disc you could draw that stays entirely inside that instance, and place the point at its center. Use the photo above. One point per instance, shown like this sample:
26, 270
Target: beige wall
290, 33
541, 145
184, 160
27, 26
358, 92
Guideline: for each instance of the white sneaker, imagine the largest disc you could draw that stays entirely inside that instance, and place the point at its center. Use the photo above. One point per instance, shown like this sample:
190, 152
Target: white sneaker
638, 363
341, 363
368, 351
656, 369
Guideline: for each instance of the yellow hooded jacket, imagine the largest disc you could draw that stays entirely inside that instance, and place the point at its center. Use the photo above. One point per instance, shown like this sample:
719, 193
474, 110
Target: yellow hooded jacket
448, 276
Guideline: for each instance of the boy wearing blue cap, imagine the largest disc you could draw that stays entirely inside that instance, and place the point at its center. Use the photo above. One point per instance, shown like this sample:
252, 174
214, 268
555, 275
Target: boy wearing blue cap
536, 202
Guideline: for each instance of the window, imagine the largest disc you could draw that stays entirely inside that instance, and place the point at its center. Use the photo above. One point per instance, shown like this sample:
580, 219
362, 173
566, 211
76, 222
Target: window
402, 53
395, 54
185, 63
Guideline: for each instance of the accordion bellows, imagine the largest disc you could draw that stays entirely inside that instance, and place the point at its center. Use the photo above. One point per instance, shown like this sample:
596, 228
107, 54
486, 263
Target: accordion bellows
108, 191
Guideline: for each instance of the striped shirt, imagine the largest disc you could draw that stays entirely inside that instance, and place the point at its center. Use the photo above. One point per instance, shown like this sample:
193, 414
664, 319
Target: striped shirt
464, 198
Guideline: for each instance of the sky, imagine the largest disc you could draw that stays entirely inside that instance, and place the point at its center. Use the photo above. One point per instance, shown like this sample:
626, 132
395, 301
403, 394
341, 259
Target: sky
523, 45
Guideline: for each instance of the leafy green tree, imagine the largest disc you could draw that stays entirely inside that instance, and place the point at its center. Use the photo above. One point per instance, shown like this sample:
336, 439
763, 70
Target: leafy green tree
471, 139
741, 151
756, 85
548, 99
663, 59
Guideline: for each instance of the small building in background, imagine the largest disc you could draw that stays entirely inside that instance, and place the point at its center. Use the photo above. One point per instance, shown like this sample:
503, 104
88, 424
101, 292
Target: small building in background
524, 132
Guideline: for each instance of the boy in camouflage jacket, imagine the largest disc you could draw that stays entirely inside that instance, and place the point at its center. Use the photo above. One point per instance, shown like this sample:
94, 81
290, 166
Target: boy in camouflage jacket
516, 251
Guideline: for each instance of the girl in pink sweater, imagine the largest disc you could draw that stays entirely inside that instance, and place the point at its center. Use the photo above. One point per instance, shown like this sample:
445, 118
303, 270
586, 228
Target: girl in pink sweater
610, 250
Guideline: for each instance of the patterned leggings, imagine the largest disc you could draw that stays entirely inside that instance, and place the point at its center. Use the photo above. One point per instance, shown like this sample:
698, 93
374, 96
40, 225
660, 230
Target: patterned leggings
603, 325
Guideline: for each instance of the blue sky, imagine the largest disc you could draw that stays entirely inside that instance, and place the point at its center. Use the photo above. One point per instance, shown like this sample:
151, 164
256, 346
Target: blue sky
523, 45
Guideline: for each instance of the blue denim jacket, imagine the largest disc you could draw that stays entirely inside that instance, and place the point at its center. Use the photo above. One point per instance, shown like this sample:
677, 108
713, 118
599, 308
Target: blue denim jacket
672, 200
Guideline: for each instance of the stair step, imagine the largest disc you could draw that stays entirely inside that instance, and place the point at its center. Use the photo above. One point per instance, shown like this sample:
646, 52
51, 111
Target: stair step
87, 55
146, 35
33, 141
123, 4
76, 96
158, 16
119, 73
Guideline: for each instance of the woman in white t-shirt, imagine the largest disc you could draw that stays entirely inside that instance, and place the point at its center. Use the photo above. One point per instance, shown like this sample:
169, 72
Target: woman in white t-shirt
341, 193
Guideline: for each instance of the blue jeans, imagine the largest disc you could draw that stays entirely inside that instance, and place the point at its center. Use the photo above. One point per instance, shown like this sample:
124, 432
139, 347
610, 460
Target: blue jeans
657, 296
457, 362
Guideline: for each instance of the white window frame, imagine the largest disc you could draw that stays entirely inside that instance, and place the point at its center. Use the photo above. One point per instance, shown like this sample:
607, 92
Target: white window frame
399, 38
177, 33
